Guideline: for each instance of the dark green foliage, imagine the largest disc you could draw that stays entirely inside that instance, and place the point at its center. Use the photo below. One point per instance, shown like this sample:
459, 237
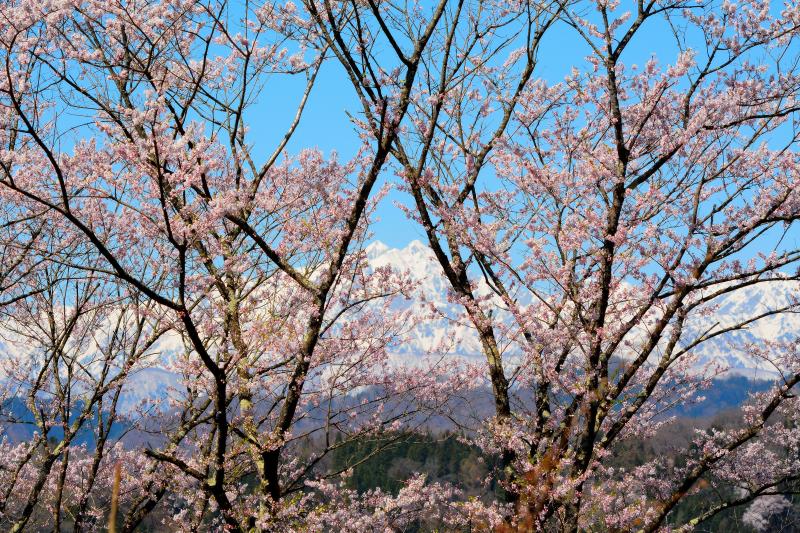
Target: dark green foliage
395, 457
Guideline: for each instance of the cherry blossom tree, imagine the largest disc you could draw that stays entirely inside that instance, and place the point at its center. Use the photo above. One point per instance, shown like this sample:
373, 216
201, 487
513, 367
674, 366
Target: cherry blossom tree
589, 227
769, 511
68, 351
125, 127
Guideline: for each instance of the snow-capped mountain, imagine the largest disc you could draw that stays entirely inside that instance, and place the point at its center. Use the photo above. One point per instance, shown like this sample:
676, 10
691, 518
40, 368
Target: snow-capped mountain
735, 307
433, 335
147, 388
457, 338
740, 306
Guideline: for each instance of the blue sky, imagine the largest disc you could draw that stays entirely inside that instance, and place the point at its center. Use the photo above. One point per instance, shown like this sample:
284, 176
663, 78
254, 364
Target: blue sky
326, 126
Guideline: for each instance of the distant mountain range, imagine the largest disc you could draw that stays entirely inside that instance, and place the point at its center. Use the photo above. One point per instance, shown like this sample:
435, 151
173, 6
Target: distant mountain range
17, 422
746, 374
419, 261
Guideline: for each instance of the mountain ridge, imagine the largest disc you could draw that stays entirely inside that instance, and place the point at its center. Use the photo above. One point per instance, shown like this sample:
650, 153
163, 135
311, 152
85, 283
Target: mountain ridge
420, 263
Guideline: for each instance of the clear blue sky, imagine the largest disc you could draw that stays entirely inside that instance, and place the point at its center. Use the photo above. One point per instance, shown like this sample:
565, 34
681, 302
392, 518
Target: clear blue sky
327, 127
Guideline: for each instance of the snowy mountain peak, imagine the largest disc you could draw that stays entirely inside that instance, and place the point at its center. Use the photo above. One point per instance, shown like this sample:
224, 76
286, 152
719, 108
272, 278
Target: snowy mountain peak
415, 258
417, 247
735, 307
460, 340
375, 249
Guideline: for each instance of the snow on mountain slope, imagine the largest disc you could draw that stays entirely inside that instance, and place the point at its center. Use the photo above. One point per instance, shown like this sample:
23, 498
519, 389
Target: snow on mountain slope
148, 388
459, 339
439, 335
417, 259
732, 308
739, 306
